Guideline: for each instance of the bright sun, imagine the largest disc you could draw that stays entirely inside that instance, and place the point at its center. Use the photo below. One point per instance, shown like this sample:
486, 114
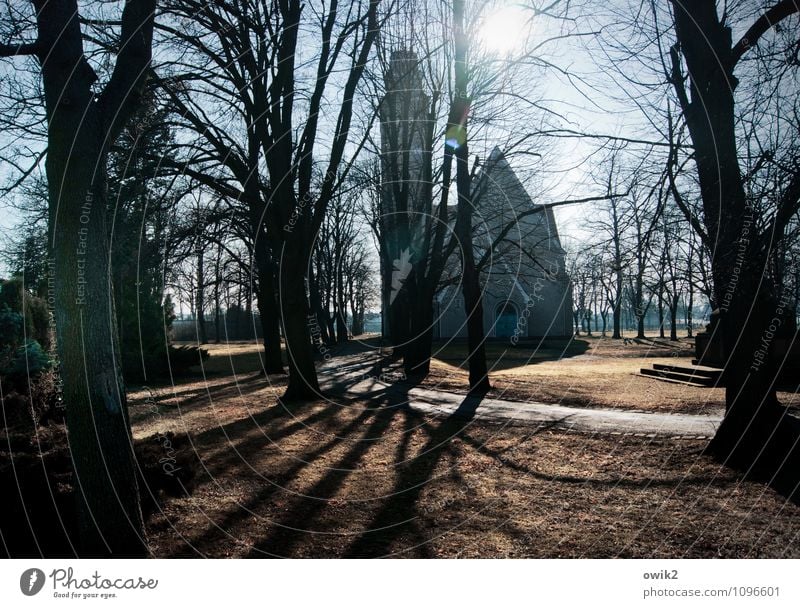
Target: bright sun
503, 31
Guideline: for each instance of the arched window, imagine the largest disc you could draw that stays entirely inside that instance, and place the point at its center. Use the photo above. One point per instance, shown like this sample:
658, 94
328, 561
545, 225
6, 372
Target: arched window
506, 320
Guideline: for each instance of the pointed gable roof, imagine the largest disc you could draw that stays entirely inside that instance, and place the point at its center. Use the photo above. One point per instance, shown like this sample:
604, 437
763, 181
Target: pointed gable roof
497, 183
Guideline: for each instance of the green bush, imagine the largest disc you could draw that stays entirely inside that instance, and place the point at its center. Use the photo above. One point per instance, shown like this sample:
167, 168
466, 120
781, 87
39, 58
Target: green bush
26, 361
17, 300
29, 382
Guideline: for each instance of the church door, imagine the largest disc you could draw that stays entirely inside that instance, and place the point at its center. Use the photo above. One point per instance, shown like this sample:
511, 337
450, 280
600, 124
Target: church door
506, 322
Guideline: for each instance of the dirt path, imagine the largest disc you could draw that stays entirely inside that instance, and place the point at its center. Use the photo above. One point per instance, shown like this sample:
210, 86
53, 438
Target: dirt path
362, 374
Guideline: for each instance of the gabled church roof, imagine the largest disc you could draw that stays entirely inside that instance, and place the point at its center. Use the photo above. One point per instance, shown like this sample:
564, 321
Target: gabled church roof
496, 178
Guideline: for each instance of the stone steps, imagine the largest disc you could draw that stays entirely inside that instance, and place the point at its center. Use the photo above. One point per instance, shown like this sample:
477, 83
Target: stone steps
690, 375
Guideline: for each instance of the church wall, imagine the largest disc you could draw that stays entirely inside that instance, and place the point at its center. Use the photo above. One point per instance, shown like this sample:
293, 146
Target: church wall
547, 311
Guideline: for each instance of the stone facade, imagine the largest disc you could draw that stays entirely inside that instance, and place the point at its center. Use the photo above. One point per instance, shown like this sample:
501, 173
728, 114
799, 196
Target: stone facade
526, 290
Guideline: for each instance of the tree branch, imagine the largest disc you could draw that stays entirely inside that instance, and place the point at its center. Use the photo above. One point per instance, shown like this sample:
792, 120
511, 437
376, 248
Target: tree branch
123, 91
22, 48
769, 19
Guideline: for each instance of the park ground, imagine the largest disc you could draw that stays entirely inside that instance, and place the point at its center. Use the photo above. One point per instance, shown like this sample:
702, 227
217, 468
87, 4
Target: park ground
352, 476
365, 475
589, 372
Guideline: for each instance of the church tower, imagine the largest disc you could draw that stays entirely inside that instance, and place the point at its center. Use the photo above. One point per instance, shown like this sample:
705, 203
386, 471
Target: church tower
406, 134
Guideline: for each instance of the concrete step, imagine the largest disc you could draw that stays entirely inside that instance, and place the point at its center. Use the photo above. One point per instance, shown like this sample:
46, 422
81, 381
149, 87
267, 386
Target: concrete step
663, 379
675, 376
700, 371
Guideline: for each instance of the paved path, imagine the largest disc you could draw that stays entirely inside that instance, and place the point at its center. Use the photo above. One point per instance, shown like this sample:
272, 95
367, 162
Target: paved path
354, 374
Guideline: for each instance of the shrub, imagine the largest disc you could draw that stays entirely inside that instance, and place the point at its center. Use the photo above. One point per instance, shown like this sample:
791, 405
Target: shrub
28, 360
160, 362
26, 369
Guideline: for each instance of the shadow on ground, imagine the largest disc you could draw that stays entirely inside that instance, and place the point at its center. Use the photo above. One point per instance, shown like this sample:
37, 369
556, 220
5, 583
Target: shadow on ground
370, 477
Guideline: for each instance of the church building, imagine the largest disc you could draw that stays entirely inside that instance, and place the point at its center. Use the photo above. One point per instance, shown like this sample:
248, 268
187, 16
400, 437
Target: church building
526, 290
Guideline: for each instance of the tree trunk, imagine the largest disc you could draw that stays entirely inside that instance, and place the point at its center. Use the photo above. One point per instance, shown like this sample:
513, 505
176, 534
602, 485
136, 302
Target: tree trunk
270, 324
617, 316
471, 288
673, 319
200, 300
639, 309
399, 319
341, 324
303, 384
417, 353
755, 430
217, 310
81, 126
266, 295
341, 311
320, 332
98, 428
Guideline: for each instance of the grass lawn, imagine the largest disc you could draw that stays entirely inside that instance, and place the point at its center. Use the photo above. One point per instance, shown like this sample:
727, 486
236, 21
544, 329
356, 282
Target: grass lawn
585, 372
371, 478
356, 477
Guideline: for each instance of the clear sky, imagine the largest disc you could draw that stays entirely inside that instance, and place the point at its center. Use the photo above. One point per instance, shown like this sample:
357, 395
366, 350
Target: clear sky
556, 74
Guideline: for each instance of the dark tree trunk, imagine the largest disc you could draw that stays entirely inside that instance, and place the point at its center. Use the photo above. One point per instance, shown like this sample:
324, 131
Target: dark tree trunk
81, 127
217, 309
417, 352
754, 430
617, 320
341, 311
200, 299
270, 325
399, 319
266, 296
673, 318
94, 394
341, 324
471, 287
320, 332
303, 384
617, 315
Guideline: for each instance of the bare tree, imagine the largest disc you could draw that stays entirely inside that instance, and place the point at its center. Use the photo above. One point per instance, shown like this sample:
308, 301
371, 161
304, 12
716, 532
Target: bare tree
81, 127
744, 229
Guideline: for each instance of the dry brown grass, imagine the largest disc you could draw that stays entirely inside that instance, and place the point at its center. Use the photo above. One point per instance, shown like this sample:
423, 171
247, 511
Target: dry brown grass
370, 478
600, 372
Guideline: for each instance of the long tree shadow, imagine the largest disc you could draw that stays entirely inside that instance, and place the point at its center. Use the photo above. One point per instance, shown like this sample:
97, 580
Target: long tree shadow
242, 438
226, 461
384, 408
397, 515
246, 442
501, 355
